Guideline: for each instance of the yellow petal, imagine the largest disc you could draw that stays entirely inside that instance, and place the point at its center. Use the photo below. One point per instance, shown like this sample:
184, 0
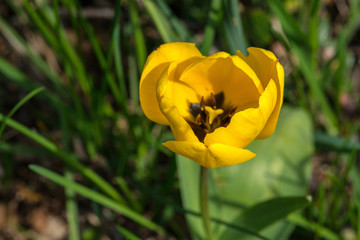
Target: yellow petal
273, 119
225, 155
246, 125
266, 67
216, 155
246, 68
155, 65
230, 75
219, 55
181, 129
147, 95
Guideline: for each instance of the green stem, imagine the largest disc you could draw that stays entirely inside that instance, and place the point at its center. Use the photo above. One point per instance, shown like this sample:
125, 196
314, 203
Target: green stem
204, 201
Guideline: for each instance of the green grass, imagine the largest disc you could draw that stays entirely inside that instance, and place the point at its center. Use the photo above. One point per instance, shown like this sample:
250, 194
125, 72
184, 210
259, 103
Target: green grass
70, 109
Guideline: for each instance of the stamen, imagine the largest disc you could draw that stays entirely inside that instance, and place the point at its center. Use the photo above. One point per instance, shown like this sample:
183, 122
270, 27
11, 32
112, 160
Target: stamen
209, 114
212, 101
213, 113
202, 103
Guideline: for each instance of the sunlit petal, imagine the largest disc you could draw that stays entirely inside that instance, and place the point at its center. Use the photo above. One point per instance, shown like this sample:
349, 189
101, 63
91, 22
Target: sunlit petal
216, 155
246, 125
266, 67
155, 65
181, 129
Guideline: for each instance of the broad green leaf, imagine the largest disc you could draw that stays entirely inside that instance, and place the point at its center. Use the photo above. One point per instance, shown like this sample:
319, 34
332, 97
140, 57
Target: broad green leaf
265, 213
281, 168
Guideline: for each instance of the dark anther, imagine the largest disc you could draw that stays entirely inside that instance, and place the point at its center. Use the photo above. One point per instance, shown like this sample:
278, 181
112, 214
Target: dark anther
202, 103
219, 99
212, 101
210, 114
195, 109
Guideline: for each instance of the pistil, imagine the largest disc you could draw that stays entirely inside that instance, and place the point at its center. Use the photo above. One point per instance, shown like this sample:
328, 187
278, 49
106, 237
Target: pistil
212, 114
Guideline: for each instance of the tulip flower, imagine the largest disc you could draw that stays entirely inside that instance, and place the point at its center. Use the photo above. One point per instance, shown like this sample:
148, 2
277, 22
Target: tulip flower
215, 105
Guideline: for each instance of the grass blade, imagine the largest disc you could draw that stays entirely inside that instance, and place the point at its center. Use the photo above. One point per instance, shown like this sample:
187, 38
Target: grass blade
119, 66
234, 33
213, 20
13, 74
320, 230
40, 23
22, 46
126, 233
161, 22
140, 46
72, 210
335, 143
331, 122
97, 197
290, 26
18, 105
65, 157
181, 31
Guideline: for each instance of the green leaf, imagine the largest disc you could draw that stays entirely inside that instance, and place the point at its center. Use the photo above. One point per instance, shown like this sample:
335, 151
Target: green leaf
97, 197
266, 213
281, 168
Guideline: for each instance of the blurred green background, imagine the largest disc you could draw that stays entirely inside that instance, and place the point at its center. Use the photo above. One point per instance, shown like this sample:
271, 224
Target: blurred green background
79, 160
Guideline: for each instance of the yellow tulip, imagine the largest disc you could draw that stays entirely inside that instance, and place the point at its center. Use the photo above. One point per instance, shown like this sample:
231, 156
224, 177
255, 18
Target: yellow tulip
216, 105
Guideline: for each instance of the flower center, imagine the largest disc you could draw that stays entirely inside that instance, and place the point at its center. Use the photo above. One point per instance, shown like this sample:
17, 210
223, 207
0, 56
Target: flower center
210, 114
